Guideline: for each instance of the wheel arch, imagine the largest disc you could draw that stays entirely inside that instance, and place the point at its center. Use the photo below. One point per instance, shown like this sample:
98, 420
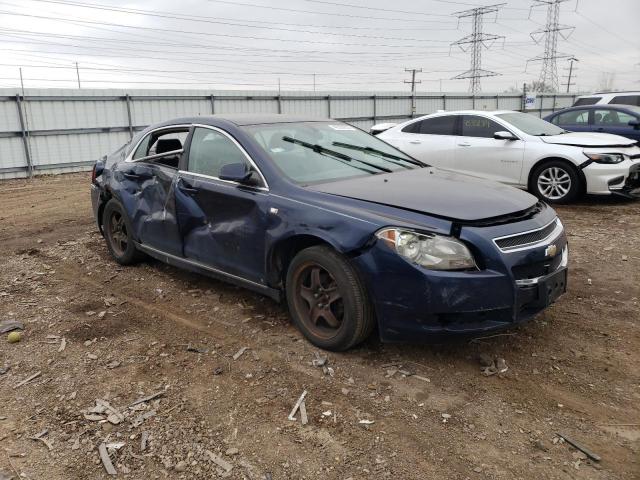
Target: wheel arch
576, 168
284, 250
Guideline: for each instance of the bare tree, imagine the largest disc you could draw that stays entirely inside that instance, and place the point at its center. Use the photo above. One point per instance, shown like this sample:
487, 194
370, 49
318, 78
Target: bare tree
541, 87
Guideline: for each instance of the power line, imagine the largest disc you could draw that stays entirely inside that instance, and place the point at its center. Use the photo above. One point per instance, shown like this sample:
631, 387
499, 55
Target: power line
550, 33
477, 40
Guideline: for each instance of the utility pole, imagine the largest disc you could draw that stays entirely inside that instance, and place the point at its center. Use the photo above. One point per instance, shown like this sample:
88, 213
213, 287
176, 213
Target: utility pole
475, 42
550, 32
413, 87
571, 60
78, 74
21, 81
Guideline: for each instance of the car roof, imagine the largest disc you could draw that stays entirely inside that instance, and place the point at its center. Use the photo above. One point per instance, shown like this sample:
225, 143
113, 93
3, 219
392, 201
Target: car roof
600, 94
608, 106
470, 112
243, 119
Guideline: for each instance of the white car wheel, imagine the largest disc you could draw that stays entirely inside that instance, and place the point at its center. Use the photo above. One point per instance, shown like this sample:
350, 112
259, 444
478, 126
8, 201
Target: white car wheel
554, 183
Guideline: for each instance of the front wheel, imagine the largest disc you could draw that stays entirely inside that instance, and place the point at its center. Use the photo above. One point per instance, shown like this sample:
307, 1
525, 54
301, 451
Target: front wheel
555, 182
327, 300
118, 234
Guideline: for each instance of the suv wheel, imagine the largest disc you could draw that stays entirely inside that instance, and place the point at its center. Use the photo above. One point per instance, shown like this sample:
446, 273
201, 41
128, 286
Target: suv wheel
117, 232
327, 301
556, 182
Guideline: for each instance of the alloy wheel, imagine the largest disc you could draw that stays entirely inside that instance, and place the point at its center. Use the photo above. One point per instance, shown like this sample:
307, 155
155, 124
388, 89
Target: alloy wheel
319, 300
554, 183
118, 233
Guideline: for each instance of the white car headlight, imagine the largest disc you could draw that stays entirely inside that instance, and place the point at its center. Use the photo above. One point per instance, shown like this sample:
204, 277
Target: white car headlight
435, 252
605, 157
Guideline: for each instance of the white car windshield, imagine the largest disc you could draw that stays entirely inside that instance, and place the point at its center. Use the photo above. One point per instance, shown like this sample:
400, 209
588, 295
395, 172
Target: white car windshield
315, 152
531, 125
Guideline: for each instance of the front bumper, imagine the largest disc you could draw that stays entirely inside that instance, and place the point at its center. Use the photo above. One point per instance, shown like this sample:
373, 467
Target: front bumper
414, 304
619, 179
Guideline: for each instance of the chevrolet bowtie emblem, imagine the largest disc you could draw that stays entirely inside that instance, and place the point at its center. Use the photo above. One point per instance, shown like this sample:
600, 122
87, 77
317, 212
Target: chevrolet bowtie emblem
550, 251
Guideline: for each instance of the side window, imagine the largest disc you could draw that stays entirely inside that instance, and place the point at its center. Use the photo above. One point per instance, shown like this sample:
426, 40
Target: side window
412, 127
164, 141
586, 101
574, 117
626, 100
475, 126
612, 118
210, 150
444, 125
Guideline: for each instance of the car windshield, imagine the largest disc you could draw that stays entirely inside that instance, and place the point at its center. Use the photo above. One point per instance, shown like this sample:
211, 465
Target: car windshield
316, 152
530, 125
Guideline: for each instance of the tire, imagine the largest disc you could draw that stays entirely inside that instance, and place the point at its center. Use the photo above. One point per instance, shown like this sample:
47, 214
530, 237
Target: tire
319, 274
556, 181
117, 232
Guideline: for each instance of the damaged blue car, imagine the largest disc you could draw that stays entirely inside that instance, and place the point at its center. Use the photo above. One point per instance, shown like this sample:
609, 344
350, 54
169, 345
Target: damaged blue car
352, 233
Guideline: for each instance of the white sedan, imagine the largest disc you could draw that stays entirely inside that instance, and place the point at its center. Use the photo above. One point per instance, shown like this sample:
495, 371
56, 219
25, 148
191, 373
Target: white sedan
521, 150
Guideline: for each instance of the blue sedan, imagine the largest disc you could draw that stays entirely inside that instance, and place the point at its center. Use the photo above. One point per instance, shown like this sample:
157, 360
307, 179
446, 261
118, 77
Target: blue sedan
623, 120
352, 233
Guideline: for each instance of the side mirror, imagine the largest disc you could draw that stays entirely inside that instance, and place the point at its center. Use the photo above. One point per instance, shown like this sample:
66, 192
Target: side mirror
504, 135
635, 124
236, 172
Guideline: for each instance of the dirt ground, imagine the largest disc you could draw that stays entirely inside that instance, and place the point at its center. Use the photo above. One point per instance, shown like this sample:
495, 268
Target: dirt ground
98, 331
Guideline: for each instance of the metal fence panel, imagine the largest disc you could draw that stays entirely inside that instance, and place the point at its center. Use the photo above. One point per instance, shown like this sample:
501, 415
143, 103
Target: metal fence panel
68, 129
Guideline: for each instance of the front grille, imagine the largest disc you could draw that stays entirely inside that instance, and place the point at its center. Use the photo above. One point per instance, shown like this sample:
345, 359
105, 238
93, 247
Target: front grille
527, 238
537, 269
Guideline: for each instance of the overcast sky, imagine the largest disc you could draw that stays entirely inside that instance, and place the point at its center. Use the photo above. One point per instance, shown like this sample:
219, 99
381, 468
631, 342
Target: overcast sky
352, 45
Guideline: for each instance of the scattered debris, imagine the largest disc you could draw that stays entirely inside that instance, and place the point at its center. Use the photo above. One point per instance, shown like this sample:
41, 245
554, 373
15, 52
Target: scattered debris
218, 370
106, 460
146, 399
40, 437
139, 420
319, 361
221, 462
10, 325
366, 422
239, 353
4, 369
297, 406
63, 345
582, 448
144, 438
28, 379
445, 417
303, 413
114, 417
196, 349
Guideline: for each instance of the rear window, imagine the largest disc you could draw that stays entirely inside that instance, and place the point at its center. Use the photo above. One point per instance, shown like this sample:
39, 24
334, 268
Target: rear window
626, 100
444, 125
586, 101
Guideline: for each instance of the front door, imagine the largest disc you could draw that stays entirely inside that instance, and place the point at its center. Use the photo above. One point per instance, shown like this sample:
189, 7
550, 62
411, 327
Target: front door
478, 153
608, 120
222, 223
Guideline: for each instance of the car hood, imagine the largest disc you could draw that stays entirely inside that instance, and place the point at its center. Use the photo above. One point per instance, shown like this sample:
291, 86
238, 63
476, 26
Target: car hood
434, 192
587, 139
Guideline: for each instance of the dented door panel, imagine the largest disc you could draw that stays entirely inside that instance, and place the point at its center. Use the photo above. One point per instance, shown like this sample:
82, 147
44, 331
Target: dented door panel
147, 194
223, 225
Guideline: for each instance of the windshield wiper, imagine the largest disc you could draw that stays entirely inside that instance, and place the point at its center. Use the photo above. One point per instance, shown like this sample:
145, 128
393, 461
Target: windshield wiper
341, 156
380, 153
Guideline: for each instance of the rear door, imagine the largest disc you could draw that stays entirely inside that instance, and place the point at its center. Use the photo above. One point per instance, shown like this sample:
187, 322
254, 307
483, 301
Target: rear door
431, 140
608, 120
478, 153
148, 196
222, 223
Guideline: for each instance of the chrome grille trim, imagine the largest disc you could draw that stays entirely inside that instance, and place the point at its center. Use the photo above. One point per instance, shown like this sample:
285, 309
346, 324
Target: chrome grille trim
529, 238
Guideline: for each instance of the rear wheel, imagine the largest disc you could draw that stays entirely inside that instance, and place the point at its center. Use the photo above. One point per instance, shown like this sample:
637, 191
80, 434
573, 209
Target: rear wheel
556, 182
117, 231
326, 299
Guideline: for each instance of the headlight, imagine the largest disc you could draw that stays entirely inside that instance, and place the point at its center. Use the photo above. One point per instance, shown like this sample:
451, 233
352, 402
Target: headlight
428, 250
605, 157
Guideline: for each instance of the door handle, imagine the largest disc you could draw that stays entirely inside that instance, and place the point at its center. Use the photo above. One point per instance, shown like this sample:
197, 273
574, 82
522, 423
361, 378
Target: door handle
186, 188
132, 176
415, 142
464, 144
